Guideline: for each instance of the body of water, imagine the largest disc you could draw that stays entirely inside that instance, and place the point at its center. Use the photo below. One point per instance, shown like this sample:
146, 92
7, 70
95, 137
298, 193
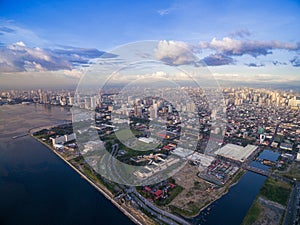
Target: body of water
37, 187
268, 155
231, 208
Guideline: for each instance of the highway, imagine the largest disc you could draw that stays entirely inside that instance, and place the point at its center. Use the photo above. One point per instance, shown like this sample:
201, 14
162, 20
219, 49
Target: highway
290, 216
179, 220
155, 211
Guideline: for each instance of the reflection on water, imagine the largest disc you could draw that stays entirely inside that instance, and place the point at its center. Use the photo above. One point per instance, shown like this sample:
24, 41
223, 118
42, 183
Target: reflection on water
16, 119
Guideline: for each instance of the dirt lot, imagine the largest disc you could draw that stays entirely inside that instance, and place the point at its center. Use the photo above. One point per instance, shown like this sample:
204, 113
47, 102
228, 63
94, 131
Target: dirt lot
271, 212
197, 192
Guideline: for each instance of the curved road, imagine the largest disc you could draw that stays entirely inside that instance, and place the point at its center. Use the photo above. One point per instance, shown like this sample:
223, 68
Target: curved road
164, 216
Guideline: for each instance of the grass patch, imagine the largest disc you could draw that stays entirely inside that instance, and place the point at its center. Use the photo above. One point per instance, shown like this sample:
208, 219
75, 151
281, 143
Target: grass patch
273, 190
94, 176
172, 194
192, 210
253, 213
124, 135
276, 191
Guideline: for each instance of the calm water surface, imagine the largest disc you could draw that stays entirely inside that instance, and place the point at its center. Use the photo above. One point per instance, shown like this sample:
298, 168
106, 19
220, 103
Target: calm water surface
232, 207
36, 187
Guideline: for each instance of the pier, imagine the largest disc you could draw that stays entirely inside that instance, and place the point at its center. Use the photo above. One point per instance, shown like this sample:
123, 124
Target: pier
20, 135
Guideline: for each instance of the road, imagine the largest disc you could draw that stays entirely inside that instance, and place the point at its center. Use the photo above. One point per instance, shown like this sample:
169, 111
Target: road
290, 216
161, 215
275, 132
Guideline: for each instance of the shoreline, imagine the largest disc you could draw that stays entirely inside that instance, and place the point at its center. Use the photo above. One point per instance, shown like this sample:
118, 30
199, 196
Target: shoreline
218, 198
224, 193
105, 194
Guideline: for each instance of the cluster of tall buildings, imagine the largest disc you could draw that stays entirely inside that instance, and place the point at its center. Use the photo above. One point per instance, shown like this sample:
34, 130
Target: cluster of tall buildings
53, 97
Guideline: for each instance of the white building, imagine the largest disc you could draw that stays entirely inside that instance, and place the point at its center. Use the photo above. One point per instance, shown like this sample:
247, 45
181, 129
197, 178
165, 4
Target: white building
236, 152
63, 139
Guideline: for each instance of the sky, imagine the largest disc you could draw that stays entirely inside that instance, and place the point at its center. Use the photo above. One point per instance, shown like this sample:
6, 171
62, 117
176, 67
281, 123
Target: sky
50, 42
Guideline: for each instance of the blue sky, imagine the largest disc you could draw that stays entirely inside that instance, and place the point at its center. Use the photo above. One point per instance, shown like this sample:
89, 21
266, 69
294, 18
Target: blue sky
264, 36
105, 24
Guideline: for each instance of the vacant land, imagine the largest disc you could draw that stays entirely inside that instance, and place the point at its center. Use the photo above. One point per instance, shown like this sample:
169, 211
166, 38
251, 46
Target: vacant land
264, 212
269, 206
276, 191
197, 193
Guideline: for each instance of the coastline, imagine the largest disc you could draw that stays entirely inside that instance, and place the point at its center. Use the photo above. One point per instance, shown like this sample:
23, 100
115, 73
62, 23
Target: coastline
225, 192
105, 194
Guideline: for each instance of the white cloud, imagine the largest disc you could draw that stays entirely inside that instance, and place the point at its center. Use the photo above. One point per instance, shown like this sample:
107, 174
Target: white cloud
174, 53
20, 43
254, 78
232, 47
33, 66
163, 12
160, 74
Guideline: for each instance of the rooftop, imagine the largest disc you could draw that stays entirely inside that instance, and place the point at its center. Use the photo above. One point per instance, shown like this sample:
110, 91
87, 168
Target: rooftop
236, 152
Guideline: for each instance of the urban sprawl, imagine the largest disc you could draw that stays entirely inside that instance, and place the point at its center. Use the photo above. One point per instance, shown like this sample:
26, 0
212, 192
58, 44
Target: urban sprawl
218, 139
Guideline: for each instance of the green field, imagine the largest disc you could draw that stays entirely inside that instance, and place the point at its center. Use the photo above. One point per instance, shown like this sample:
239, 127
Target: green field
193, 209
276, 191
124, 135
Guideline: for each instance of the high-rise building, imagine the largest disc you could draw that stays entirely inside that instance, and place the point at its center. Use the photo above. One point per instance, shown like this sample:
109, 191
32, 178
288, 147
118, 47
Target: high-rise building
155, 108
70, 101
93, 102
87, 103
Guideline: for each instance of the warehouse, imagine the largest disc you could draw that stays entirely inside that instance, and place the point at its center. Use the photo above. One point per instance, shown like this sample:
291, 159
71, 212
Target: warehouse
236, 152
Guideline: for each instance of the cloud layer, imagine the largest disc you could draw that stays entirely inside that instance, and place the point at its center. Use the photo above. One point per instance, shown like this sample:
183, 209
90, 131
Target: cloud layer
19, 58
224, 51
233, 47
